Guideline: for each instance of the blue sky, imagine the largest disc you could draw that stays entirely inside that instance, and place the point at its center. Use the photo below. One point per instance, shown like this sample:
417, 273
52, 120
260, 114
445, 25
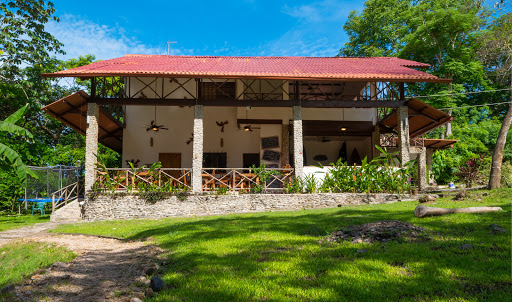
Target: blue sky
111, 29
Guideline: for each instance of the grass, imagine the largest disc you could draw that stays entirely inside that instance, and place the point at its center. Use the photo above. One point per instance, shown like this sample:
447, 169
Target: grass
19, 260
13, 222
280, 256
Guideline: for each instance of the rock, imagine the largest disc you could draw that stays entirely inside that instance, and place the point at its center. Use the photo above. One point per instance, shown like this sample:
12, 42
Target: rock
362, 251
461, 195
428, 198
149, 292
156, 284
59, 265
466, 246
36, 277
357, 240
135, 300
151, 271
7, 289
496, 228
65, 276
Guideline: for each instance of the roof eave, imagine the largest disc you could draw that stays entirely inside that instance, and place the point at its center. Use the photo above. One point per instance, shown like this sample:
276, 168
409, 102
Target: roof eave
162, 75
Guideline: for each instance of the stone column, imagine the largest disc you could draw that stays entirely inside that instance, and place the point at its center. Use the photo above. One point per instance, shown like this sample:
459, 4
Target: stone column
197, 151
430, 178
422, 169
285, 145
403, 134
298, 145
91, 145
375, 141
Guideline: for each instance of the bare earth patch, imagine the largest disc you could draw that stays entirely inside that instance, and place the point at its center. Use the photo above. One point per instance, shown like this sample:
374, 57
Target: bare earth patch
105, 269
380, 231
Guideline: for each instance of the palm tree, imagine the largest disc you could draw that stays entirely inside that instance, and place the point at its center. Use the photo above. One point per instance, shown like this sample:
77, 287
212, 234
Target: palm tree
9, 159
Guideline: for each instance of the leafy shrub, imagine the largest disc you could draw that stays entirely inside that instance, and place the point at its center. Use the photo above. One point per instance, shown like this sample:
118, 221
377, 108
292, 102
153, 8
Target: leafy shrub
469, 172
376, 176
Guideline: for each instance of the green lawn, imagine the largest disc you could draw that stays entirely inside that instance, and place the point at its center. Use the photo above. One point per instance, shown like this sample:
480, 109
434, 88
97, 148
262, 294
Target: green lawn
18, 259
13, 222
280, 256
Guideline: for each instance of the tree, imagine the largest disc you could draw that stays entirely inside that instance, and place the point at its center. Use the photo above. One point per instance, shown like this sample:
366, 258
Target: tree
9, 159
22, 35
496, 53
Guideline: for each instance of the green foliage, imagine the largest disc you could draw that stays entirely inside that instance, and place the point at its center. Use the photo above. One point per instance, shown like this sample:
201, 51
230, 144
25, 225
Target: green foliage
263, 175
377, 176
223, 190
469, 172
23, 38
9, 222
293, 186
18, 260
9, 159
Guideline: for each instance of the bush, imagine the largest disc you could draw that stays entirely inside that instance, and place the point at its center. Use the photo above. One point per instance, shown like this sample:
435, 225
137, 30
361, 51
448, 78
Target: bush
469, 171
376, 176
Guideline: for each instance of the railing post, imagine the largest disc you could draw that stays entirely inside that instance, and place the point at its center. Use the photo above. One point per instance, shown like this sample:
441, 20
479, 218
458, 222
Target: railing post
233, 184
53, 203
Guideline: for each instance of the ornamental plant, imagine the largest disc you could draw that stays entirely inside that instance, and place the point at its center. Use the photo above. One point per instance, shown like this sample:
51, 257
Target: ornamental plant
469, 171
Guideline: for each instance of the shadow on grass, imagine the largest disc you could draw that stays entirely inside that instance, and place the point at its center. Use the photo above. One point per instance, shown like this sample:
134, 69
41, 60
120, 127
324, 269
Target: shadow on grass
281, 257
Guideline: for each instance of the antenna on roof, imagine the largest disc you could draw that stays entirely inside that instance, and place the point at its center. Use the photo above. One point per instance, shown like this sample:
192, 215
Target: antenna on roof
169, 46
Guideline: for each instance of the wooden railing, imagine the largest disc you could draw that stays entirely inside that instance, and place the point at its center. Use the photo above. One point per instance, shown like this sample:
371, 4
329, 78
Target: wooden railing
213, 179
63, 196
245, 180
123, 179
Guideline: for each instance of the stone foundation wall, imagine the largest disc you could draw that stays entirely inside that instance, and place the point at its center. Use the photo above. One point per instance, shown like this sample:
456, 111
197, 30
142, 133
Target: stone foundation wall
131, 207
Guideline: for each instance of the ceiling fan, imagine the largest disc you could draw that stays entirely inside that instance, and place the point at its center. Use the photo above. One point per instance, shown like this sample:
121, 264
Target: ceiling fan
154, 126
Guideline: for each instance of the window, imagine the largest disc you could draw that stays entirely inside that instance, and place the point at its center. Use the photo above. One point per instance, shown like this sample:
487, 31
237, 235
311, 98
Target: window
215, 160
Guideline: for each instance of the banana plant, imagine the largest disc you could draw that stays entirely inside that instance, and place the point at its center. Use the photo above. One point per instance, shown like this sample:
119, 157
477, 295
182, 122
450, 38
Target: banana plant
9, 159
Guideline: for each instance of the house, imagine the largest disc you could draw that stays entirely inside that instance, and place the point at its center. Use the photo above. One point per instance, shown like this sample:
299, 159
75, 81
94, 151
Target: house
209, 118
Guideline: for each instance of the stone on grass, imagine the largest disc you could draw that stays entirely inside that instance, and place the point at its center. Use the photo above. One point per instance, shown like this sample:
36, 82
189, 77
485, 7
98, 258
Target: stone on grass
7, 289
466, 246
157, 284
151, 271
149, 292
496, 228
135, 299
428, 198
362, 251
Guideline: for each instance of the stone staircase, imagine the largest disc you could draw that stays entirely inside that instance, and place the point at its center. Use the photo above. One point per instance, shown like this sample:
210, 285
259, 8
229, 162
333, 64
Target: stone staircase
68, 213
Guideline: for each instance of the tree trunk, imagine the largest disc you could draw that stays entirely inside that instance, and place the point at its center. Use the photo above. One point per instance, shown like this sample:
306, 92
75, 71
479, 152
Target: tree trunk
497, 156
423, 211
449, 125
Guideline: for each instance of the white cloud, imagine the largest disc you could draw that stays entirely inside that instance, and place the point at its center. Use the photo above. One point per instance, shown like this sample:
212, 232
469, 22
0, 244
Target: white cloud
81, 37
322, 11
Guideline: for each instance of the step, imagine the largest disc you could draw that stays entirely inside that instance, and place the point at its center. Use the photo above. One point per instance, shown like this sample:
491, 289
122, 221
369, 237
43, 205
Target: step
68, 213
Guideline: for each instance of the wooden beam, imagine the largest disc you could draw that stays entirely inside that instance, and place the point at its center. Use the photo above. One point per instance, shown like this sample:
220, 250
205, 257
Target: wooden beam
227, 102
259, 122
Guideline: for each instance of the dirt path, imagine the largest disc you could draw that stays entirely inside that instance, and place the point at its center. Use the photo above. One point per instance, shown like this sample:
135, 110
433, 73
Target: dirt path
25, 232
105, 269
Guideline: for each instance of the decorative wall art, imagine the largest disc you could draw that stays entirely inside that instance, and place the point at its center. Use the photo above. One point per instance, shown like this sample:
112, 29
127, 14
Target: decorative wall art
221, 125
269, 142
271, 156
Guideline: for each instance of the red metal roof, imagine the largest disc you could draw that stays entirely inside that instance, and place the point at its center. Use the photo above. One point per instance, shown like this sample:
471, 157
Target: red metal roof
293, 68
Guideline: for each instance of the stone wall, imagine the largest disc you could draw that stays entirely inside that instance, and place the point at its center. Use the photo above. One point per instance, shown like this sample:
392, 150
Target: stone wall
106, 207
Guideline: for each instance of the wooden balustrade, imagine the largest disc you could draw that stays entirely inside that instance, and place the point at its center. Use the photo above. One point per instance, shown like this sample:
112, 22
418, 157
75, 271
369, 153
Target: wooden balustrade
213, 179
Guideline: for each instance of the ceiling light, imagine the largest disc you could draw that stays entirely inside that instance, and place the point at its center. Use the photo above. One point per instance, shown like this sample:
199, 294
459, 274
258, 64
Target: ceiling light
247, 128
343, 129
